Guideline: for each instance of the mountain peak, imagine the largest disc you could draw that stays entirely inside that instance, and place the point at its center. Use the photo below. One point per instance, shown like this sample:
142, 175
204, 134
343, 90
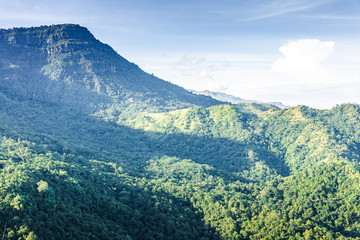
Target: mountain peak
45, 36
66, 64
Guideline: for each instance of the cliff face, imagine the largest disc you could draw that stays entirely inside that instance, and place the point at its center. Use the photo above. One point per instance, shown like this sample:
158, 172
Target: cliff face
47, 37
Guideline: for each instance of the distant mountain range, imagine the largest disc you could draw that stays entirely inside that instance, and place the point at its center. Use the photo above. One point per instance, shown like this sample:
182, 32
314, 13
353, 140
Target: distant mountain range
92, 147
234, 100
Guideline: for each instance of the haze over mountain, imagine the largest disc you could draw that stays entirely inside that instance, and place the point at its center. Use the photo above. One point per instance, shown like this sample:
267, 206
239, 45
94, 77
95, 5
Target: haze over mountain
234, 100
93, 147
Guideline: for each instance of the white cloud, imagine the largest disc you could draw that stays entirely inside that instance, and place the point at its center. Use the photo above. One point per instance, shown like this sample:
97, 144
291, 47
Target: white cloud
190, 60
280, 7
197, 67
206, 72
304, 60
334, 17
309, 72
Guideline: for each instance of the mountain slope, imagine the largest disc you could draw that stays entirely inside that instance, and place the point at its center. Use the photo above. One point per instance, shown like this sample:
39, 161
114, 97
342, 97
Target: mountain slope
92, 147
69, 66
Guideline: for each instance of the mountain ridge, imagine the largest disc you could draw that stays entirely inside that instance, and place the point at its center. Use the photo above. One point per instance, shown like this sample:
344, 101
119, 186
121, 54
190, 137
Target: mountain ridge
69, 59
224, 97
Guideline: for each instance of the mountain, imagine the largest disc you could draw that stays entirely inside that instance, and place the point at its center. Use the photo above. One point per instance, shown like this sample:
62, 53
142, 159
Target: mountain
223, 97
69, 66
92, 147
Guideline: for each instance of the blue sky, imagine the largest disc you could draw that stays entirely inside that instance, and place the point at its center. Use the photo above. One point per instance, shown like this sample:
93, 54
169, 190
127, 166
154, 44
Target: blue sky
298, 52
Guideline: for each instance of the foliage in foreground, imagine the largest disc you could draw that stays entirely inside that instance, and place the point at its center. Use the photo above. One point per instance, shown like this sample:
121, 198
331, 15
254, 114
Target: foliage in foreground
54, 196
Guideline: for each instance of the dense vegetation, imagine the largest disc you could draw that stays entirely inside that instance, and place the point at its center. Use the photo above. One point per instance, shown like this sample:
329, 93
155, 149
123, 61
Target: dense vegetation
91, 147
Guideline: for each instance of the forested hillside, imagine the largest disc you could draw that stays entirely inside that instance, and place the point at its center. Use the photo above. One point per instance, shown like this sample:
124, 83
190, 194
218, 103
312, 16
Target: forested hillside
92, 147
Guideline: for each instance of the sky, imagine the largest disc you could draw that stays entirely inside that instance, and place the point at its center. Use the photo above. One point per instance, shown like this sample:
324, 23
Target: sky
299, 52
